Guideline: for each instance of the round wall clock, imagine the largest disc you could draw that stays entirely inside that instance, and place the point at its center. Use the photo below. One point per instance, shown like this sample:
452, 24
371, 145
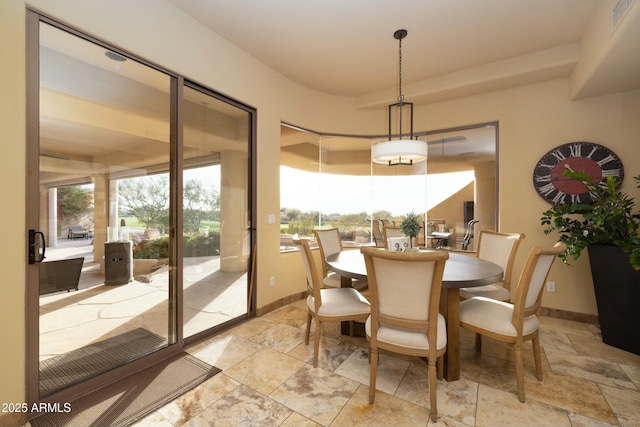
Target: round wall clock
594, 159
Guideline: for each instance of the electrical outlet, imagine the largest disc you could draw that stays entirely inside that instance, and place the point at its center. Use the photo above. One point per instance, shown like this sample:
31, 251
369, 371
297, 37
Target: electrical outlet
272, 281
551, 286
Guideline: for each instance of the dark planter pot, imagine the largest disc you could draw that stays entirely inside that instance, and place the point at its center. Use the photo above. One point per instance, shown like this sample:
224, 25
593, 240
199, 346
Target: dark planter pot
617, 288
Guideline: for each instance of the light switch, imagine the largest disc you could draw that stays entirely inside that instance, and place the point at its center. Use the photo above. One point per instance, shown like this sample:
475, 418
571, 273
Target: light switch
272, 219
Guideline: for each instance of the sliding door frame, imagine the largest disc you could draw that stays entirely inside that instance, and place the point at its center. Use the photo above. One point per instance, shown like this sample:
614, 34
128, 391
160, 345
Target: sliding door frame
175, 309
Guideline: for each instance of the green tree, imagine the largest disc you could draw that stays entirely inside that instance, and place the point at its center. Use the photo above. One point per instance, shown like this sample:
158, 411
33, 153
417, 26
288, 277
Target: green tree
381, 214
147, 199
74, 202
200, 202
352, 221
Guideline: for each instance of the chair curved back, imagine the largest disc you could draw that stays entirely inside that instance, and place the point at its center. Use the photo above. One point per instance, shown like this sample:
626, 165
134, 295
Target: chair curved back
532, 280
499, 248
486, 316
329, 243
313, 284
389, 231
405, 289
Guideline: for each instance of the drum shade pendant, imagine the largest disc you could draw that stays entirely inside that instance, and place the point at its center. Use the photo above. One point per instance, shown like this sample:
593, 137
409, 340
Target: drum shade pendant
400, 151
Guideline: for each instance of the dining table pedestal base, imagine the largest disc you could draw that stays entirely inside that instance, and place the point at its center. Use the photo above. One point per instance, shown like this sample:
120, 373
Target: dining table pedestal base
450, 309
345, 327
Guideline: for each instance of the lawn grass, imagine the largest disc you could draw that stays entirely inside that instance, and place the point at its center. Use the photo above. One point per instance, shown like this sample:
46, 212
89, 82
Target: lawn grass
133, 222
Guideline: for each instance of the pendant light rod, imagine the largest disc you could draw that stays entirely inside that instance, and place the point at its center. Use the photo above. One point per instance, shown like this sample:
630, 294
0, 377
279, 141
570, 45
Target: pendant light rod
401, 151
400, 35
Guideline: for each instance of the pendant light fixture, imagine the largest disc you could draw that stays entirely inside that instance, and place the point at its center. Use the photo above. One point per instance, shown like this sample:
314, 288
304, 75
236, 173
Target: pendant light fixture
400, 151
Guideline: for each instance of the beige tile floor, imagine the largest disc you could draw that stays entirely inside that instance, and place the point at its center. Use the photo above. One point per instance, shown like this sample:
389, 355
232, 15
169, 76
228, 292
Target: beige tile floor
267, 379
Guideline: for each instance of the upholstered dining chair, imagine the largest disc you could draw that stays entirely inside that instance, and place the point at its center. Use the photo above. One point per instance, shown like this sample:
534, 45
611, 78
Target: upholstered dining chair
517, 322
328, 305
500, 248
390, 231
405, 289
329, 243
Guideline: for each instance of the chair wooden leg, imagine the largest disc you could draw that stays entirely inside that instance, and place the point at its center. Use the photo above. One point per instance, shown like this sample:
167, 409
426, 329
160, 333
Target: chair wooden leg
537, 357
478, 342
373, 371
316, 343
306, 337
432, 390
519, 371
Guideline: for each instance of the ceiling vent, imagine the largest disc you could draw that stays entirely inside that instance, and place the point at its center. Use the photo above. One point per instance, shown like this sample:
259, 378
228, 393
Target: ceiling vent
618, 12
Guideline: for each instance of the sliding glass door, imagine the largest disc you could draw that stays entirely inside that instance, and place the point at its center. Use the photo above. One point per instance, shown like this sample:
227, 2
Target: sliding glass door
139, 212
103, 191
216, 214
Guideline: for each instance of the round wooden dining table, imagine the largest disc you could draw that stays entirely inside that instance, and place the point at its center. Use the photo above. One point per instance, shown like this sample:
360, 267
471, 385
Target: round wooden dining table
461, 270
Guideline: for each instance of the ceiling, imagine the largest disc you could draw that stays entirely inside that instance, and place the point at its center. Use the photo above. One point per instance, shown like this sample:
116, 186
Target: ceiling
347, 47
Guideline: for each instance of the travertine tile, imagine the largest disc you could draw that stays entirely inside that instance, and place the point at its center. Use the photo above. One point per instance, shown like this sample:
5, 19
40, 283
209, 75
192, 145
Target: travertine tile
589, 368
497, 408
227, 351
243, 407
297, 420
252, 328
457, 400
551, 339
289, 315
391, 370
567, 326
633, 371
331, 355
315, 393
578, 420
268, 379
625, 403
575, 395
282, 338
386, 411
265, 370
594, 347
199, 398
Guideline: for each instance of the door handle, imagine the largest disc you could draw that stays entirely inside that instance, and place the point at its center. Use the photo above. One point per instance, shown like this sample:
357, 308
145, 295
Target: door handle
33, 243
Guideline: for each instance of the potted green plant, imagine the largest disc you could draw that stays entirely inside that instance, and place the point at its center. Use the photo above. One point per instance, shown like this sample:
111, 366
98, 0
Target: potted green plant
410, 226
608, 229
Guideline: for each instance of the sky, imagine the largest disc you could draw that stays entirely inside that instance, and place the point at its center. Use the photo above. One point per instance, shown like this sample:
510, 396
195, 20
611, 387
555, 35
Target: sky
329, 193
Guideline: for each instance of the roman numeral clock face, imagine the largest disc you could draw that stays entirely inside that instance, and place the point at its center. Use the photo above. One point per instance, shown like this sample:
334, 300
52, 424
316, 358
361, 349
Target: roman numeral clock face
594, 159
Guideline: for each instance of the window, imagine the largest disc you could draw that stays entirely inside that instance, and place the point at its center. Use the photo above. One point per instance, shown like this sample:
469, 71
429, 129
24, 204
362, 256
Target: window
330, 181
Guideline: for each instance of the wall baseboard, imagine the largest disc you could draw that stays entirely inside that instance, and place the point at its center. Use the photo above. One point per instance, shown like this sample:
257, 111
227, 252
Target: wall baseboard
280, 303
570, 315
544, 311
